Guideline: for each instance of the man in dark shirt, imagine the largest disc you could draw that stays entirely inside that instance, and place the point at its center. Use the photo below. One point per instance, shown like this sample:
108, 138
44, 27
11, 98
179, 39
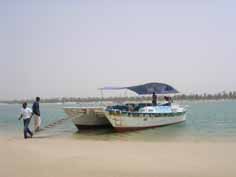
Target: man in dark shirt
36, 114
154, 99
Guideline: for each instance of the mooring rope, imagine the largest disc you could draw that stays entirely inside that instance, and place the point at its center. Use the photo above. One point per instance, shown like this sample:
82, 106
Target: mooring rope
53, 124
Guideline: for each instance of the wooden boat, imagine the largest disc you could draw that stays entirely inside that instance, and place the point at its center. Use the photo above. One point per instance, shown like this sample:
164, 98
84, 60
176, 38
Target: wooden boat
144, 116
87, 117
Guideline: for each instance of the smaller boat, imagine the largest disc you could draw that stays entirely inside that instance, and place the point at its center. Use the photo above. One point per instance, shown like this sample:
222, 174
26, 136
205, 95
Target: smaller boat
141, 116
87, 117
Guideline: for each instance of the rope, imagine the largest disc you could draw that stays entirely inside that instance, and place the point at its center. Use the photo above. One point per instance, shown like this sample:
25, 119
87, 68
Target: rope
53, 124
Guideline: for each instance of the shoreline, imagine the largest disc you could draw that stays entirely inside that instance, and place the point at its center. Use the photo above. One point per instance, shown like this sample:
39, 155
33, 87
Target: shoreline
93, 102
132, 136
63, 157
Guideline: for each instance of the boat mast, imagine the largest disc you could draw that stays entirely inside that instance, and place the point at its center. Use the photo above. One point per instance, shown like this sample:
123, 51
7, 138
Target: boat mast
102, 97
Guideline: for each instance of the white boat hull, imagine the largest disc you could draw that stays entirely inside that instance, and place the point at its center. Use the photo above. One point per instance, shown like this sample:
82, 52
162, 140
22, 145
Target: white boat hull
89, 117
123, 122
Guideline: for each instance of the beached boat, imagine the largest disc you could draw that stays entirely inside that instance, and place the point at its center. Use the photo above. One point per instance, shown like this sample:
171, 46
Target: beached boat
87, 117
141, 116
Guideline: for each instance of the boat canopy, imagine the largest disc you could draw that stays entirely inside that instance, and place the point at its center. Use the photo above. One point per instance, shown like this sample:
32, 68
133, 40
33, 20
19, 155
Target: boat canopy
147, 89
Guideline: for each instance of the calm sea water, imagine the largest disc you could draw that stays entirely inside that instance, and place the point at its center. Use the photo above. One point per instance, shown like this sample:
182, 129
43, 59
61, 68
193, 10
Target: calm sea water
206, 121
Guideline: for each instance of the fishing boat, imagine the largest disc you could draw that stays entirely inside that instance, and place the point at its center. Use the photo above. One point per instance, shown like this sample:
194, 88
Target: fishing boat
140, 116
87, 117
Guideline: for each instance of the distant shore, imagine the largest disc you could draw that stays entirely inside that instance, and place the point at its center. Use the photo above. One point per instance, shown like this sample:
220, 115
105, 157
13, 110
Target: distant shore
63, 157
183, 97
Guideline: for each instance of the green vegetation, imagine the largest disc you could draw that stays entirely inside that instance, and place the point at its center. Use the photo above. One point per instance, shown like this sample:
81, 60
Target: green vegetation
219, 96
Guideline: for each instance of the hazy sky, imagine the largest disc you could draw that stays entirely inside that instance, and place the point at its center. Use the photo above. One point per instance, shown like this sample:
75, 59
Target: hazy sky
71, 47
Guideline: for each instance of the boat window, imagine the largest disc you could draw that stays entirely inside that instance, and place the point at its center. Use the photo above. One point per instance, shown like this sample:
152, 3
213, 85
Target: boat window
142, 110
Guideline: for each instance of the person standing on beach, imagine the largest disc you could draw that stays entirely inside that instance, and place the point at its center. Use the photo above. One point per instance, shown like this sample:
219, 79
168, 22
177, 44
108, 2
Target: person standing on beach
26, 114
36, 114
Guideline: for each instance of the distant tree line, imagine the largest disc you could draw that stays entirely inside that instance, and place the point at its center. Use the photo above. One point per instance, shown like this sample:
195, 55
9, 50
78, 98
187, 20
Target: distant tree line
219, 96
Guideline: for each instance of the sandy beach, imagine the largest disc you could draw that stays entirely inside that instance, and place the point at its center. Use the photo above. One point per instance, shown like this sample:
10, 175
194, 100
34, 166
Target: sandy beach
64, 157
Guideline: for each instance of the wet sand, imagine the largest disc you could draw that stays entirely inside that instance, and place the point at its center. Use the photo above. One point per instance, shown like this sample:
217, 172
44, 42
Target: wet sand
68, 157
